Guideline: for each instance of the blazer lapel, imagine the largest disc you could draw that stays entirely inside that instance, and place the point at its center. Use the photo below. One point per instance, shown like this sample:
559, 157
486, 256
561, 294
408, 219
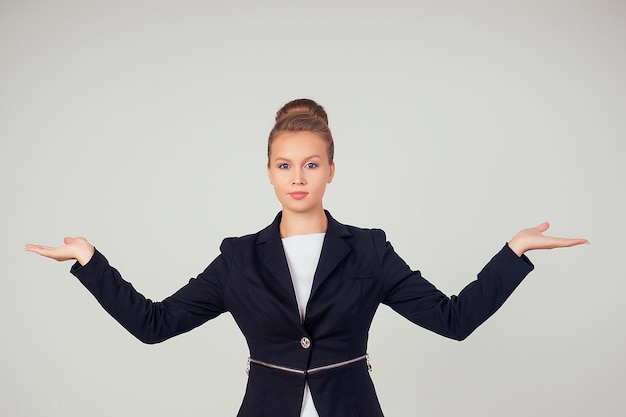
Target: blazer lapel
334, 250
272, 254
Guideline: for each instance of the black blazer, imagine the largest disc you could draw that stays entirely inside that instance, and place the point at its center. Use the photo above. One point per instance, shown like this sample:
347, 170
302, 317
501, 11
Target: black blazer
358, 270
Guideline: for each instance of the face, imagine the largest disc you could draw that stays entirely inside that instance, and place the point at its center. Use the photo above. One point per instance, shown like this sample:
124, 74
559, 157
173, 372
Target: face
299, 170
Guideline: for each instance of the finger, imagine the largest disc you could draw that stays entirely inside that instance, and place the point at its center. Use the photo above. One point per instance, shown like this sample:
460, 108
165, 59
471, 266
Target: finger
577, 241
35, 248
42, 250
564, 242
57, 253
543, 227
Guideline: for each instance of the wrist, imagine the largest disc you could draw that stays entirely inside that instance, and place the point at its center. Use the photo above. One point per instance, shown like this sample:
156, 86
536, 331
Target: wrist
516, 247
85, 255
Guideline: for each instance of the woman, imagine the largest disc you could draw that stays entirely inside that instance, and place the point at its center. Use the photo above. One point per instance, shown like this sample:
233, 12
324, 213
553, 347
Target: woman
304, 290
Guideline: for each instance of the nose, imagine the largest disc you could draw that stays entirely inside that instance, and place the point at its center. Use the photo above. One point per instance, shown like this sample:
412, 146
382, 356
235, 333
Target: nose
298, 177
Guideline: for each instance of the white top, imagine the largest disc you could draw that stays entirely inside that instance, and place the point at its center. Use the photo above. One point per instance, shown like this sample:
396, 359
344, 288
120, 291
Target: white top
303, 254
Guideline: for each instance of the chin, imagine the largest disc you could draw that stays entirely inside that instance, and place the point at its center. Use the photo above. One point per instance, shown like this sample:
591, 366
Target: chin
301, 209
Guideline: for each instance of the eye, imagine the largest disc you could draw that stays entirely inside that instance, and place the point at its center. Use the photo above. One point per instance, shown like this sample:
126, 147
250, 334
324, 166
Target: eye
284, 165
310, 165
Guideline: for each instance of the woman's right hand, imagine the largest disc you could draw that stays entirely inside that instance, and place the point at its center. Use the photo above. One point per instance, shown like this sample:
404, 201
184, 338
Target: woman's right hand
74, 248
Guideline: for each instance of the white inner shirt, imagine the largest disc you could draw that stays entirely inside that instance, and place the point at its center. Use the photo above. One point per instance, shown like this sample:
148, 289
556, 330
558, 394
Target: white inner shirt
303, 254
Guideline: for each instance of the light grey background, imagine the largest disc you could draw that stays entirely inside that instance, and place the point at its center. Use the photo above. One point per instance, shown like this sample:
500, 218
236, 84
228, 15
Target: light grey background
142, 126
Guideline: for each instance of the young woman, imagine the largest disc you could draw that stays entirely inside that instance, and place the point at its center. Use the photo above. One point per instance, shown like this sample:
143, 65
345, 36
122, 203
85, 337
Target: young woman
304, 290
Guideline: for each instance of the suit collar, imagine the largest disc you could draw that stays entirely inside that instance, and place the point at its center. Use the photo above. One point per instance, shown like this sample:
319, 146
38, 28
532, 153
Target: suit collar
272, 232
272, 253
334, 250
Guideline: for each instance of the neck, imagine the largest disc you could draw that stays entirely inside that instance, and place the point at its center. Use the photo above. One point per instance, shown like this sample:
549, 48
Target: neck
292, 224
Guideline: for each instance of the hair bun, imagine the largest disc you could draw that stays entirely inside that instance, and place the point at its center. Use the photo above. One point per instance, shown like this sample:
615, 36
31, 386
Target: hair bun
302, 115
302, 106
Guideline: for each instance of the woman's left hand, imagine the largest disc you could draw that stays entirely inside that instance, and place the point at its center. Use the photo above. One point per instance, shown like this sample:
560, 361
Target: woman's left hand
533, 238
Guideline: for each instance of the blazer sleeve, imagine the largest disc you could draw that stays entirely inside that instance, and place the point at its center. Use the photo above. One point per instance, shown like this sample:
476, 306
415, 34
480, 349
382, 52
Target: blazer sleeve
456, 317
152, 322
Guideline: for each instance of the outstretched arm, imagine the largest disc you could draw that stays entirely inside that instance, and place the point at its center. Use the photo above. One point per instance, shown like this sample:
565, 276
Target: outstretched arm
74, 248
151, 322
457, 316
533, 238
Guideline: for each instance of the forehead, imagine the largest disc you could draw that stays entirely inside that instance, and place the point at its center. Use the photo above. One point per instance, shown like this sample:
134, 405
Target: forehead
298, 144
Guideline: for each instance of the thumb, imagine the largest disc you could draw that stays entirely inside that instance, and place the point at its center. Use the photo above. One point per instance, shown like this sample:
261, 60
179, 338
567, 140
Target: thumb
543, 227
68, 240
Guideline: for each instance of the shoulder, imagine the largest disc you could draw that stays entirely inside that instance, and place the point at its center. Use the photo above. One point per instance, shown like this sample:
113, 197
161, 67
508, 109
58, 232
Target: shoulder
364, 233
363, 240
230, 244
356, 232
247, 243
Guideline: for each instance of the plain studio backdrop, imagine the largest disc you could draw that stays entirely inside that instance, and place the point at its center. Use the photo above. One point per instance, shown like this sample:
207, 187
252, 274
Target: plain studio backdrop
142, 126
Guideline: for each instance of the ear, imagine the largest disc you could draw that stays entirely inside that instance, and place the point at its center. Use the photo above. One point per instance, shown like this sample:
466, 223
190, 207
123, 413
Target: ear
269, 176
332, 173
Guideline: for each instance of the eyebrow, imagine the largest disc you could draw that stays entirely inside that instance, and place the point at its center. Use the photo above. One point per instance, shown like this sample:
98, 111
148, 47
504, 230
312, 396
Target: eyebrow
282, 158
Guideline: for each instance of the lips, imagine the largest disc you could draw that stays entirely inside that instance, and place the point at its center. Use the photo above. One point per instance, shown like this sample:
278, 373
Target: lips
298, 195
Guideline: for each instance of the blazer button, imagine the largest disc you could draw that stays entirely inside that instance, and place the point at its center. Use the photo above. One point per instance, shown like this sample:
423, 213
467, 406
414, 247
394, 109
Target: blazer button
305, 342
